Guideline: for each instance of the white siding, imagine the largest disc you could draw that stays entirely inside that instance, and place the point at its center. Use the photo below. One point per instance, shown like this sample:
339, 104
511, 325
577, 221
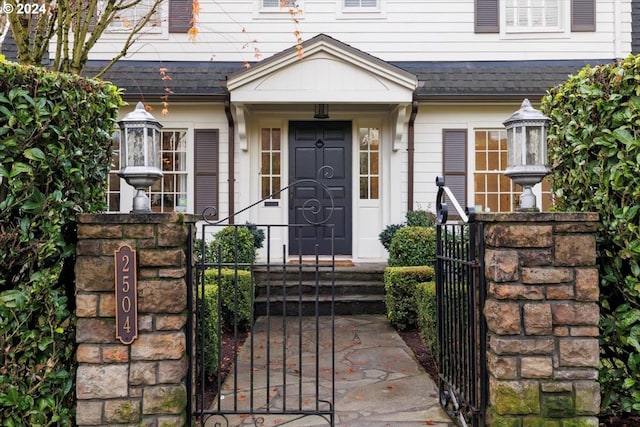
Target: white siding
404, 30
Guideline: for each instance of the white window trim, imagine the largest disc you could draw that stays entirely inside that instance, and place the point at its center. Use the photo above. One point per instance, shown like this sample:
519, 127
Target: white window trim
157, 32
379, 12
562, 31
277, 12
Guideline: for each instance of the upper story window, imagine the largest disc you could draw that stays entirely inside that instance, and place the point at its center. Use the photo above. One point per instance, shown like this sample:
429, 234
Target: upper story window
533, 15
127, 19
278, 9
360, 3
278, 3
361, 9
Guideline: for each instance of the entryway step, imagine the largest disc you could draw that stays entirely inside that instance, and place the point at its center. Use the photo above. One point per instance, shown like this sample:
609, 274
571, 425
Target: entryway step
324, 288
357, 289
342, 305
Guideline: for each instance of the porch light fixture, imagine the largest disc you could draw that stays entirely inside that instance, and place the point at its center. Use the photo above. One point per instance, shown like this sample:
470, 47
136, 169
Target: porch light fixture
527, 151
140, 153
321, 111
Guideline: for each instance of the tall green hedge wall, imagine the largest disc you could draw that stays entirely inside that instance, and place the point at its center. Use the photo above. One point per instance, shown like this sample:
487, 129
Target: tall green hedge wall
595, 154
55, 136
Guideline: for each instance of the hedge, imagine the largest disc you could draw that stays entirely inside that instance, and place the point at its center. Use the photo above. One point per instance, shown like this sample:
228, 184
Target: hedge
594, 146
413, 246
427, 315
55, 131
400, 293
222, 298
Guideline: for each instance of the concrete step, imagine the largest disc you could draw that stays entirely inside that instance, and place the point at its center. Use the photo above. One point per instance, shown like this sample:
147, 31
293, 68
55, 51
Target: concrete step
293, 288
356, 289
342, 305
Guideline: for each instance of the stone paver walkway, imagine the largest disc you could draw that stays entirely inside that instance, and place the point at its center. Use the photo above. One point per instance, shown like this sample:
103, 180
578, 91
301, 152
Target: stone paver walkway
378, 381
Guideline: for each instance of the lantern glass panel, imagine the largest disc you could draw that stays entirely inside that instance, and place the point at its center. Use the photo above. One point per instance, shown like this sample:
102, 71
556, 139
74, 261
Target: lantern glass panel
534, 145
153, 156
514, 142
135, 146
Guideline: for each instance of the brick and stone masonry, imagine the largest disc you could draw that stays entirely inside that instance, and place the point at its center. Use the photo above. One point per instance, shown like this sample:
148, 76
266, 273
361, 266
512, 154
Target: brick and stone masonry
542, 316
144, 383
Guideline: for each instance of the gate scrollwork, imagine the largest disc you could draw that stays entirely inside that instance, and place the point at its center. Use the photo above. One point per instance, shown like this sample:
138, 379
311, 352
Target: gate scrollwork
310, 207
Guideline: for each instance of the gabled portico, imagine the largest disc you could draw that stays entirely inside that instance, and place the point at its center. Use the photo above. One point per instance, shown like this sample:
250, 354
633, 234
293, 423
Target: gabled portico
280, 141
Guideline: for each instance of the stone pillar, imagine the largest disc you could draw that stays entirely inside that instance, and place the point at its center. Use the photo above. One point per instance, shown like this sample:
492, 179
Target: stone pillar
542, 314
143, 383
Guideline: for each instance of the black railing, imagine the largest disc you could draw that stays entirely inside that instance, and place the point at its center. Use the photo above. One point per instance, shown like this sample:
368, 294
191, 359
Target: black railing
460, 289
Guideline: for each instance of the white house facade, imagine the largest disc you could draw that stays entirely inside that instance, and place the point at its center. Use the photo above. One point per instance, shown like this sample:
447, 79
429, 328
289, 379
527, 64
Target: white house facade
381, 98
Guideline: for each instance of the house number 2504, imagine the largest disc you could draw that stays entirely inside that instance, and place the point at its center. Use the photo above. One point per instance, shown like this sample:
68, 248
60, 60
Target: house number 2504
126, 295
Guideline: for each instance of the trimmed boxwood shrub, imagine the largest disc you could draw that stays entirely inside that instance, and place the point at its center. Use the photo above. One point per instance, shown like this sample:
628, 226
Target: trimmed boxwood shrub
400, 293
220, 301
426, 304
233, 245
595, 152
413, 246
209, 336
55, 132
235, 289
418, 218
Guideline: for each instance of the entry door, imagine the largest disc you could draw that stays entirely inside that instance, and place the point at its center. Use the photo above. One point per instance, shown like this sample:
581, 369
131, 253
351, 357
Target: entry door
320, 151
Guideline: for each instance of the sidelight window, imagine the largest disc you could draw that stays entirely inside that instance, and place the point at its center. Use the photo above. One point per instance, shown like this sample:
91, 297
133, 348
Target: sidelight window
369, 162
270, 156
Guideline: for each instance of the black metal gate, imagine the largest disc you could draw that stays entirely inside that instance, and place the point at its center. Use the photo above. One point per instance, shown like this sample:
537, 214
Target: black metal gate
262, 349
460, 289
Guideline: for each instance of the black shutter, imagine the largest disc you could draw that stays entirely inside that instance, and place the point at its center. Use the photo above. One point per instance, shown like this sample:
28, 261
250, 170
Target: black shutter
635, 27
486, 16
180, 15
206, 170
454, 165
583, 15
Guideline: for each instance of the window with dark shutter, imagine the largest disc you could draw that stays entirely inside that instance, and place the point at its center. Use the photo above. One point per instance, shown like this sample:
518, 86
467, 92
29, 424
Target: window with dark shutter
583, 15
180, 15
206, 169
487, 16
454, 147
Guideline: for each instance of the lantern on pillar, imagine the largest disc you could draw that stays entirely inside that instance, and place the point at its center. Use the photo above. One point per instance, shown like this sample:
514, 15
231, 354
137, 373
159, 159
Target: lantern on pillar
527, 151
140, 152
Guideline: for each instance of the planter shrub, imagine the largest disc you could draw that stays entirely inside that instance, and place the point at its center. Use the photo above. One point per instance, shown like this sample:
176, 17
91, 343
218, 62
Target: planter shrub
400, 293
54, 163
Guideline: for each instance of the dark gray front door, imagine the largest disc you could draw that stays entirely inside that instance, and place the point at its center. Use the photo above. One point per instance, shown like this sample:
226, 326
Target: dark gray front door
320, 151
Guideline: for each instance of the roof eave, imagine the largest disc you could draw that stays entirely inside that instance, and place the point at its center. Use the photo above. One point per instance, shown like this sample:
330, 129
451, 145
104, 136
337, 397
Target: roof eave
470, 98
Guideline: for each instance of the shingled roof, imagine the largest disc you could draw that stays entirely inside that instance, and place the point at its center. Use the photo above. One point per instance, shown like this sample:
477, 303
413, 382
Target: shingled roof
491, 80
438, 81
188, 79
